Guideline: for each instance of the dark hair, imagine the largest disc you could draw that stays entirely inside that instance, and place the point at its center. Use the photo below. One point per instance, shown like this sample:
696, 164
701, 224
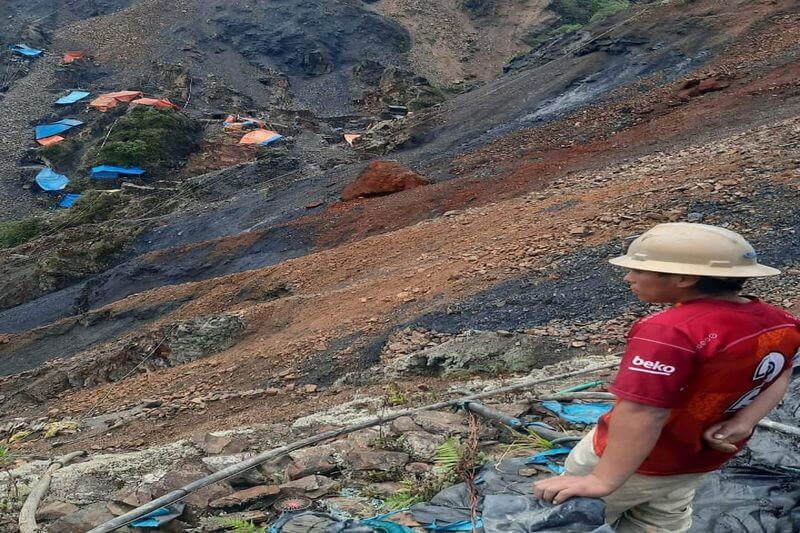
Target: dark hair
708, 285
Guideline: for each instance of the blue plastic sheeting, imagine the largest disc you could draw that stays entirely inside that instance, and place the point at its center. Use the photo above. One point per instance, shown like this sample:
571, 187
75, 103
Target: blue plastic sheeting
25, 50
114, 172
270, 140
48, 180
578, 413
160, 516
48, 130
71, 98
464, 525
68, 200
543, 458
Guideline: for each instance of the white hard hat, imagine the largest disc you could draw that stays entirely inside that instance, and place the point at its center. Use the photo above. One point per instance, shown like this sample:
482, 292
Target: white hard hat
694, 249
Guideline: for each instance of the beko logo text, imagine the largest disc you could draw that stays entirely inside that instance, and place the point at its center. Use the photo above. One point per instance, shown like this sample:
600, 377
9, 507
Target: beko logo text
651, 367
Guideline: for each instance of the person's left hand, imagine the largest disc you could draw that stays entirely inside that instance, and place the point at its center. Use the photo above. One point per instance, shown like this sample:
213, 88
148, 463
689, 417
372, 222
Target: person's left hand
560, 488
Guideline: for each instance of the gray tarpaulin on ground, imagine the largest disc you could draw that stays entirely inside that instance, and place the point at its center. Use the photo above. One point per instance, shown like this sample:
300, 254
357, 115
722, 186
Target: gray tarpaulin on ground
759, 491
507, 505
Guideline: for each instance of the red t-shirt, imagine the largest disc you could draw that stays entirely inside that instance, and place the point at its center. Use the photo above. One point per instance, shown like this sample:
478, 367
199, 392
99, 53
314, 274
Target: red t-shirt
704, 359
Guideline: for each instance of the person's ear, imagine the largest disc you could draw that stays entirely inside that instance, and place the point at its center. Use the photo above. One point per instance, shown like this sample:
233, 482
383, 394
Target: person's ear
686, 282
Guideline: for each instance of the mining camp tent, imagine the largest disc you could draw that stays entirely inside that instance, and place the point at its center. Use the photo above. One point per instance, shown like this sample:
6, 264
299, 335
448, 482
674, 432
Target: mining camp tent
25, 50
72, 97
50, 181
262, 137
73, 55
47, 141
238, 123
351, 138
49, 130
104, 102
68, 200
161, 103
110, 172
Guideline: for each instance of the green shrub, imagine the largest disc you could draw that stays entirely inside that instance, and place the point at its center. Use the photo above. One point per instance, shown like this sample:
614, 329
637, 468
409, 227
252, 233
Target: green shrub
585, 11
16, 232
59, 154
155, 139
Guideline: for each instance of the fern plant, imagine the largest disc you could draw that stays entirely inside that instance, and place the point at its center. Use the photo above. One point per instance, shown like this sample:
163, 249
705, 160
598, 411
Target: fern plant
242, 526
447, 456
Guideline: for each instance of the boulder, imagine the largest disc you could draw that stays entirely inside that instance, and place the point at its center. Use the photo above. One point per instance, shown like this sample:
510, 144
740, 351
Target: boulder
350, 506
55, 510
404, 424
82, 520
242, 497
381, 178
316, 460
422, 445
442, 422
376, 459
218, 444
310, 486
197, 501
254, 476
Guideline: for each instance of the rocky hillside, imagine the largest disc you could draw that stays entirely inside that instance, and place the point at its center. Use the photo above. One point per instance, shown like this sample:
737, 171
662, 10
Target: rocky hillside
463, 236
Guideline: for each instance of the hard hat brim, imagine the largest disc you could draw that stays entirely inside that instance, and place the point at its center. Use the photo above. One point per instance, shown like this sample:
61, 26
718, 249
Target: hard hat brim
749, 271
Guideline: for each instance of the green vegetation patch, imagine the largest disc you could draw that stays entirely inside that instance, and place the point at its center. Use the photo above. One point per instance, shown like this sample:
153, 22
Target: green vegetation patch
155, 139
586, 11
16, 232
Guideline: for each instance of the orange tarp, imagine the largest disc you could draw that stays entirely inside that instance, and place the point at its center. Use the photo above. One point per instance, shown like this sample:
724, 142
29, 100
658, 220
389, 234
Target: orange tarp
258, 136
53, 139
351, 138
161, 103
104, 102
73, 55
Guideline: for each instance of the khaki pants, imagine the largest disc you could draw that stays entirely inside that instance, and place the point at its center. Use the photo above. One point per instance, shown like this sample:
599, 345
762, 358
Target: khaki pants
644, 504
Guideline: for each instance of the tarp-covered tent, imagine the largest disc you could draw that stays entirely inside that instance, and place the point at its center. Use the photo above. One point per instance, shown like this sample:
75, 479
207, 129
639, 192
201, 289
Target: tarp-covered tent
73, 55
72, 97
262, 137
161, 103
110, 172
25, 50
351, 138
47, 141
68, 200
48, 130
50, 181
104, 102
238, 123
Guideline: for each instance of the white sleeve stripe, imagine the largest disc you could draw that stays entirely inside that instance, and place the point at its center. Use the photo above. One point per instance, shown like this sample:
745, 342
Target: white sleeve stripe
663, 344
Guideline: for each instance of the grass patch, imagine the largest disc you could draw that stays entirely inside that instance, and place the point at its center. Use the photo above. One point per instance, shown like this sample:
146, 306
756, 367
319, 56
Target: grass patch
16, 232
94, 206
585, 11
59, 154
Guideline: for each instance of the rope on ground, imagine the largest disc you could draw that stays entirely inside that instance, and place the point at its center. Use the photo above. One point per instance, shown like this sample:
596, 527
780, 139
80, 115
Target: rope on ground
27, 516
237, 469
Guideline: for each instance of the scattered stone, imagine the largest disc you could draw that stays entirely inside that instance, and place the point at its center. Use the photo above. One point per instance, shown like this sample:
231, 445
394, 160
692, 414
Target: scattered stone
384, 489
376, 460
528, 472
242, 497
358, 507
316, 460
442, 422
418, 468
404, 424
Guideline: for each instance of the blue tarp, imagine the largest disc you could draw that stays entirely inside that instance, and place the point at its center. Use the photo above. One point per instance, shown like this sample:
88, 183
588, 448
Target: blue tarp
68, 200
71, 98
271, 140
48, 130
578, 413
50, 181
543, 458
25, 50
114, 172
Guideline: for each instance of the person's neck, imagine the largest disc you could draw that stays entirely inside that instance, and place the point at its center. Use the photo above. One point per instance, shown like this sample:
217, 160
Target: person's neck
725, 296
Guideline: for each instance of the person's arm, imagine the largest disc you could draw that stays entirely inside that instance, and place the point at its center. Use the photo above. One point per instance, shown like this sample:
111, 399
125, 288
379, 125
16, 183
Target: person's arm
724, 435
633, 431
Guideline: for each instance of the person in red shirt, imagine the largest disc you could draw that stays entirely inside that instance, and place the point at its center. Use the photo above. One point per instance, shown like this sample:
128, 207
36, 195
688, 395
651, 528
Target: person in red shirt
693, 383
